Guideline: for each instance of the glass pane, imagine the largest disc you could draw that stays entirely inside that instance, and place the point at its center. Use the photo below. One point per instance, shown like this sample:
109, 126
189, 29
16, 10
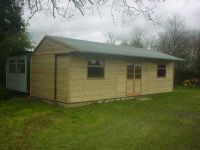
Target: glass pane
161, 73
137, 76
138, 71
20, 68
137, 65
20, 61
95, 72
96, 63
11, 61
161, 66
130, 65
12, 68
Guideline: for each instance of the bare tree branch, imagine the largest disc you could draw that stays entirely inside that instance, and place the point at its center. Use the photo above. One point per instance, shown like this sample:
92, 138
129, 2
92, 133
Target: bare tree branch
126, 9
111, 38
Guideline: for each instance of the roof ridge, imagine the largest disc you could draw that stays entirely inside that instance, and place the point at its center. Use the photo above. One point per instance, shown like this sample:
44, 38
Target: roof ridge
96, 42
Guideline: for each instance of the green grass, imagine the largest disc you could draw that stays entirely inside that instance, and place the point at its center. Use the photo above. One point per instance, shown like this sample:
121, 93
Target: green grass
166, 121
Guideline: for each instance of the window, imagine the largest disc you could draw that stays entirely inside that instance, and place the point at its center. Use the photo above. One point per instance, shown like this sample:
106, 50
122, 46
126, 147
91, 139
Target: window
161, 71
12, 66
134, 71
20, 66
138, 71
95, 69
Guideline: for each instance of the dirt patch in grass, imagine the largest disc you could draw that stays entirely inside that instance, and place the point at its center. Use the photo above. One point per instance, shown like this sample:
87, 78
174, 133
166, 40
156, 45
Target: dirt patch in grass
39, 121
188, 114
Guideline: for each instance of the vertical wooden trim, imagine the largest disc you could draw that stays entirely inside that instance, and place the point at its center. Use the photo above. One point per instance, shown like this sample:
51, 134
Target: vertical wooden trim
149, 72
116, 81
55, 74
6, 72
173, 69
133, 79
126, 79
68, 79
26, 70
30, 76
141, 78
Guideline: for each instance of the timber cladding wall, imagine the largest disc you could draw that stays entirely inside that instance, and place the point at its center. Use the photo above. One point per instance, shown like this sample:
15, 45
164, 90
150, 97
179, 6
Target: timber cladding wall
115, 80
152, 84
42, 76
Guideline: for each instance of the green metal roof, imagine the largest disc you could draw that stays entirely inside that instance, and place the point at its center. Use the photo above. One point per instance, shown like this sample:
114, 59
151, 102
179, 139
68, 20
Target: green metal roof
102, 48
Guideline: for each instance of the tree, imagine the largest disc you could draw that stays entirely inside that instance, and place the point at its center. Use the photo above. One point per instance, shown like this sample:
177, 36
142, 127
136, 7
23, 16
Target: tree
195, 44
111, 38
123, 8
175, 38
124, 43
13, 35
137, 40
175, 41
10, 18
150, 42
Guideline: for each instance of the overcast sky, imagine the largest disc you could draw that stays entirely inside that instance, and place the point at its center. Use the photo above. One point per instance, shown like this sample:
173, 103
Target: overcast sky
95, 28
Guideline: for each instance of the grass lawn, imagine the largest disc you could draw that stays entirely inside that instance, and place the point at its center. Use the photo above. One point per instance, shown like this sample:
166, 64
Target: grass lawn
166, 121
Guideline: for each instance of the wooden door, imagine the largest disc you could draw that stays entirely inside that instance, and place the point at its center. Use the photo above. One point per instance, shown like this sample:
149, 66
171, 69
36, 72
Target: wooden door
61, 80
133, 83
130, 82
138, 75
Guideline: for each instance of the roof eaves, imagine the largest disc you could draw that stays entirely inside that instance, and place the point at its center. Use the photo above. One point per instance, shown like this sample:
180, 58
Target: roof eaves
176, 59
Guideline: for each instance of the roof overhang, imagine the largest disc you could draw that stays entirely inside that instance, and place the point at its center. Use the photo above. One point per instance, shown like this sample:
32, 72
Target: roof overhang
125, 56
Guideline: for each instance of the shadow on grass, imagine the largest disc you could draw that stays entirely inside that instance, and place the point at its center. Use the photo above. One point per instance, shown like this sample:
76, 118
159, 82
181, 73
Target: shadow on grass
6, 94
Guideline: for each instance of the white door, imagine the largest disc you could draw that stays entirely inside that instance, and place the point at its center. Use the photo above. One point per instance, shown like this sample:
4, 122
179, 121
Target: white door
17, 73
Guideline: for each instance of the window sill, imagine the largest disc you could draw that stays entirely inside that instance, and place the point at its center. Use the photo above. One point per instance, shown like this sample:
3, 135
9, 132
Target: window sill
95, 78
161, 77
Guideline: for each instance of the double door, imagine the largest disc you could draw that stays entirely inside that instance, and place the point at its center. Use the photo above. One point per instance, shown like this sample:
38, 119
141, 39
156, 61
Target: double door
133, 82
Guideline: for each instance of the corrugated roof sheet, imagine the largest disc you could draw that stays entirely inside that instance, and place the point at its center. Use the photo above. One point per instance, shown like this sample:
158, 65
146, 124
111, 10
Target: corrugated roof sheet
102, 48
